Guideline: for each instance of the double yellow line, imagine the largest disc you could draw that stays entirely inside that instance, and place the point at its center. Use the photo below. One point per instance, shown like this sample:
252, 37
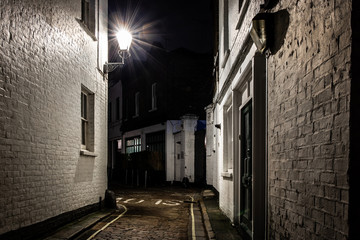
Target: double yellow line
192, 219
108, 224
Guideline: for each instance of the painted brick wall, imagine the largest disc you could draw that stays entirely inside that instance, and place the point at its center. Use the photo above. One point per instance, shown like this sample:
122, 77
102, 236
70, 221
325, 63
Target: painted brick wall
45, 58
309, 102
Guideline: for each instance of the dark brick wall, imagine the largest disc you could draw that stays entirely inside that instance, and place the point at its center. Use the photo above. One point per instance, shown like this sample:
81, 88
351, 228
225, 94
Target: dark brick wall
309, 83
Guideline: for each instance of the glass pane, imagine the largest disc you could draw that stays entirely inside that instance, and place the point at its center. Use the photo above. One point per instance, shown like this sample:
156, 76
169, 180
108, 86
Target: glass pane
85, 106
83, 132
82, 105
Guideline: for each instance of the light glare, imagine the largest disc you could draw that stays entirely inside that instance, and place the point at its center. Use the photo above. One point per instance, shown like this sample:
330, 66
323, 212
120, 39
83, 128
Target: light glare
124, 39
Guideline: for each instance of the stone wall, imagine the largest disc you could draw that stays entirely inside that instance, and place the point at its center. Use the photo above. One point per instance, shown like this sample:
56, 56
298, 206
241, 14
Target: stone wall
308, 121
46, 58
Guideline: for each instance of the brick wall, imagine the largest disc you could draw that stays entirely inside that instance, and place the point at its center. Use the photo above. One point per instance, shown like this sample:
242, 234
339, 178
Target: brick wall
45, 59
309, 110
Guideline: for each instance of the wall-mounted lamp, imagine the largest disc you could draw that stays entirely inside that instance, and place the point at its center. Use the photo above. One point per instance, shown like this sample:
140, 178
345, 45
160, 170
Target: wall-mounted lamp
124, 39
268, 30
260, 31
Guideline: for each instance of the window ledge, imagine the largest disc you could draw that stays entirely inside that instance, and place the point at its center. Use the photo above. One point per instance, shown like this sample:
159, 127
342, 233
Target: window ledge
86, 29
88, 153
227, 175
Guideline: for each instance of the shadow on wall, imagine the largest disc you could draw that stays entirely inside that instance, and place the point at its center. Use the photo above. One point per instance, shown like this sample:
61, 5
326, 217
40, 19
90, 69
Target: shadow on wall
281, 24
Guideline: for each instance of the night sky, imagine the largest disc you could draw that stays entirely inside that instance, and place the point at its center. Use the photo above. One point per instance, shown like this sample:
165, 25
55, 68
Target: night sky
175, 24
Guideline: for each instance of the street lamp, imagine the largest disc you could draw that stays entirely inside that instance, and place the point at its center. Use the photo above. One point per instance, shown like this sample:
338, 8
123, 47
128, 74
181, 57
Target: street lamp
124, 39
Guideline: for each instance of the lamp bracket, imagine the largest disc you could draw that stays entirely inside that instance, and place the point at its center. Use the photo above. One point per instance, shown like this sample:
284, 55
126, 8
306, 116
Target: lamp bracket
109, 67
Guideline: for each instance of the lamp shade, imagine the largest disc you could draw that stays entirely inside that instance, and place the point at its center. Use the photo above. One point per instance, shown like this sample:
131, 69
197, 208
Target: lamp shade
124, 39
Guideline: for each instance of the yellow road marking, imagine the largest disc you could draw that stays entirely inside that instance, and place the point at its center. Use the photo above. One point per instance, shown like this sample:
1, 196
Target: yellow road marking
193, 220
108, 224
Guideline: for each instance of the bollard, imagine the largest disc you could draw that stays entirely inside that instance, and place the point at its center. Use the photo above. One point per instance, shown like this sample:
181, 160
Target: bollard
145, 177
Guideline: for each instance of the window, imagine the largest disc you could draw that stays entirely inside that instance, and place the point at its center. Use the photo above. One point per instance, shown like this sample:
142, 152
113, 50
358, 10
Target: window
225, 33
84, 118
87, 120
228, 139
137, 96
240, 5
133, 145
226, 25
88, 14
117, 108
153, 97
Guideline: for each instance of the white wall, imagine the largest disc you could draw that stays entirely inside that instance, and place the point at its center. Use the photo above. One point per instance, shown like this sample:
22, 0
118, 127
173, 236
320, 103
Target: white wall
188, 144
229, 76
45, 59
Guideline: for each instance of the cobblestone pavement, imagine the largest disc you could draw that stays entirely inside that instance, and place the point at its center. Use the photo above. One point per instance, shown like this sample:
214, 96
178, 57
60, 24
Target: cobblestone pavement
153, 213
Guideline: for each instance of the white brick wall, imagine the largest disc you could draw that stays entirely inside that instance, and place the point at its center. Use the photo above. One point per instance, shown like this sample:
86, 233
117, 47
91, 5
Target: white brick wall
45, 57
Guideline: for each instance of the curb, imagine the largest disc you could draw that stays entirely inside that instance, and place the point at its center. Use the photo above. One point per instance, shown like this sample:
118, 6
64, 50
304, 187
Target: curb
90, 225
82, 224
207, 224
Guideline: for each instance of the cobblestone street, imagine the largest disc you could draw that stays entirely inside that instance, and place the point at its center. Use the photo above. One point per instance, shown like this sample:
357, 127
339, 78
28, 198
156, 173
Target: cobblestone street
155, 213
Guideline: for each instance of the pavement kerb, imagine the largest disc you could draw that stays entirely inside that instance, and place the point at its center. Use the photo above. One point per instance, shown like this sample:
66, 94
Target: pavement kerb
207, 224
90, 225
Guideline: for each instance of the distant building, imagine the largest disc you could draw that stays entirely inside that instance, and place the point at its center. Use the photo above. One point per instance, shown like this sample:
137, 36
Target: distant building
53, 104
156, 106
282, 131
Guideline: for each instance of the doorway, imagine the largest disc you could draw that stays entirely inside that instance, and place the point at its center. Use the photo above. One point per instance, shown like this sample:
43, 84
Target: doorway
246, 168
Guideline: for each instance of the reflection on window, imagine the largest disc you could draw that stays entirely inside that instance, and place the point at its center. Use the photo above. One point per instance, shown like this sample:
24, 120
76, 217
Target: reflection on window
133, 145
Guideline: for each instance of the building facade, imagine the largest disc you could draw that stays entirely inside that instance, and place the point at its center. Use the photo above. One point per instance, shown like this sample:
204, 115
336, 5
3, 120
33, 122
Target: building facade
53, 103
280, 150
157, 106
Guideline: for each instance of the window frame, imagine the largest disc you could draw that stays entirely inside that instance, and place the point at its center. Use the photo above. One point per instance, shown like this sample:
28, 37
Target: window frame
228, 138
84, 119
88, 18
135, 146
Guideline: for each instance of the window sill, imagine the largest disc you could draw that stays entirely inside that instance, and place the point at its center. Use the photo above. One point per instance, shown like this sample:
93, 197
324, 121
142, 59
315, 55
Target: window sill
86, 29
227, 175
88, 153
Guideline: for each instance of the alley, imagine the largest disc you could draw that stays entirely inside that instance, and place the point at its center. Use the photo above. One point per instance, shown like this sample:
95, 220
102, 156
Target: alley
155, 213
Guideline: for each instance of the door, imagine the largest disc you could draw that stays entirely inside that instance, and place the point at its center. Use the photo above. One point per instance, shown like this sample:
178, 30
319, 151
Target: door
178, 159
246, 163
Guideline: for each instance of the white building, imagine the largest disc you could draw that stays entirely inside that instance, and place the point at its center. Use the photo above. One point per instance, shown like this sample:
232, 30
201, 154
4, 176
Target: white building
277, 152
53, 104
234, 138
173, 140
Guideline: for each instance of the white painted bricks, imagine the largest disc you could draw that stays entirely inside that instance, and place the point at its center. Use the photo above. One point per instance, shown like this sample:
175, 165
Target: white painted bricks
45, 58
